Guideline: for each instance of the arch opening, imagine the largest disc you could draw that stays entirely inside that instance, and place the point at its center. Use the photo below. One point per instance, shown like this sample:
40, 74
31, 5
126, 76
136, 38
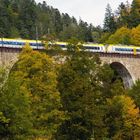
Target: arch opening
123, 73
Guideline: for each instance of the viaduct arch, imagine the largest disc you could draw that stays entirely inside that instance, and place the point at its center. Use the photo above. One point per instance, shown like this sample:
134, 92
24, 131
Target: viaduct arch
127, 66
124, 74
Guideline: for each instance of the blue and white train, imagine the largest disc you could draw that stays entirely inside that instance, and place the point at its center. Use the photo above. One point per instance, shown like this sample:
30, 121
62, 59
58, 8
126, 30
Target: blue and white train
101, 48
19, 43
91, 47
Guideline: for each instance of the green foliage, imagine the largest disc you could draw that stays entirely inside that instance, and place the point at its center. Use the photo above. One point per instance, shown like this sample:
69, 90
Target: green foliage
117, 88
135, 35
15, 114
105, 75
122, 14
96, 33
79, 85
14, 33
69, 31
74, 45
3, 75
125, 36
21, 18
125, 18
83, 100
123, 118
121, 36
17, 18
135, 14
109, 21
104, 37
135, 93
37, 74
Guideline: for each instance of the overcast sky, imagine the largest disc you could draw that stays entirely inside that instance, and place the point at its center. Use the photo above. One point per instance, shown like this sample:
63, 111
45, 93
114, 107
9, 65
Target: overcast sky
91, 11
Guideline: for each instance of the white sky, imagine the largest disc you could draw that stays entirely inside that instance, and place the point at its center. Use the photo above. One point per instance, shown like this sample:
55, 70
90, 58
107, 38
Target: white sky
91, 11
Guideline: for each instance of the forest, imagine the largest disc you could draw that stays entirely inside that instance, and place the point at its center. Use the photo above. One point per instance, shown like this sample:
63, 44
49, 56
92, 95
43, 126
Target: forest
77, 99
27, 19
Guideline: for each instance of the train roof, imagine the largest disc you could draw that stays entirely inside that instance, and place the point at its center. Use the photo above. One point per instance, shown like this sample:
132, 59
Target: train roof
84, 44
20, 40
66, 43
93, 44
124, 46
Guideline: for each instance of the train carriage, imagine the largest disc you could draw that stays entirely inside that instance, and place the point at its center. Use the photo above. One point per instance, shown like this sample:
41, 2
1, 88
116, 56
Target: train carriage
19, 43
62, 45
122, 49
94, 47
90, 47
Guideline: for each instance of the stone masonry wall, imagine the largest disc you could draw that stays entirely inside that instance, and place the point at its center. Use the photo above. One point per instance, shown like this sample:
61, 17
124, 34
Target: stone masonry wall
9, 56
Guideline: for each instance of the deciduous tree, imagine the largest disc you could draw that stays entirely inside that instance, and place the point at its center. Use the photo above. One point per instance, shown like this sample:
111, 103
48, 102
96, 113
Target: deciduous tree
122, 118
79, 87
37, 74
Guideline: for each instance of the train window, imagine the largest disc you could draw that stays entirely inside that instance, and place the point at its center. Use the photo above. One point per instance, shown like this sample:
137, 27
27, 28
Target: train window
63, 46
138, 50
92, 47
39, 44
12, 43
35, 44
31, 44
124, 49
15, 43
21, 43
4, 42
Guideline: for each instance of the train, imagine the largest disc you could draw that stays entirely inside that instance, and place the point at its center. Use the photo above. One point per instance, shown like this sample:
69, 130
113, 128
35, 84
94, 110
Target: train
101, 48
90, 47
19, 43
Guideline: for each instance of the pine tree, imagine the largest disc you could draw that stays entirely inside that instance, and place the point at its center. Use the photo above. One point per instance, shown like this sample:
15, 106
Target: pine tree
109, 21
122, 14
27, 18
135, 14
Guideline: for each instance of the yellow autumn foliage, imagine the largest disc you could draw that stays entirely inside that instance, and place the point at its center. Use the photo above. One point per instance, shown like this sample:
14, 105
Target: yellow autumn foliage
121, 36
135, 35
126, 36
37, 74
129, 117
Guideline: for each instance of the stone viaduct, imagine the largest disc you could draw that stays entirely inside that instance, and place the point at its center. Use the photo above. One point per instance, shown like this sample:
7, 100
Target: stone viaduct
127, 66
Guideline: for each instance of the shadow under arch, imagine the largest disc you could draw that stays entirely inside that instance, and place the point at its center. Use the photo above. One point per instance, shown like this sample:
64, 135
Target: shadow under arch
123, 73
